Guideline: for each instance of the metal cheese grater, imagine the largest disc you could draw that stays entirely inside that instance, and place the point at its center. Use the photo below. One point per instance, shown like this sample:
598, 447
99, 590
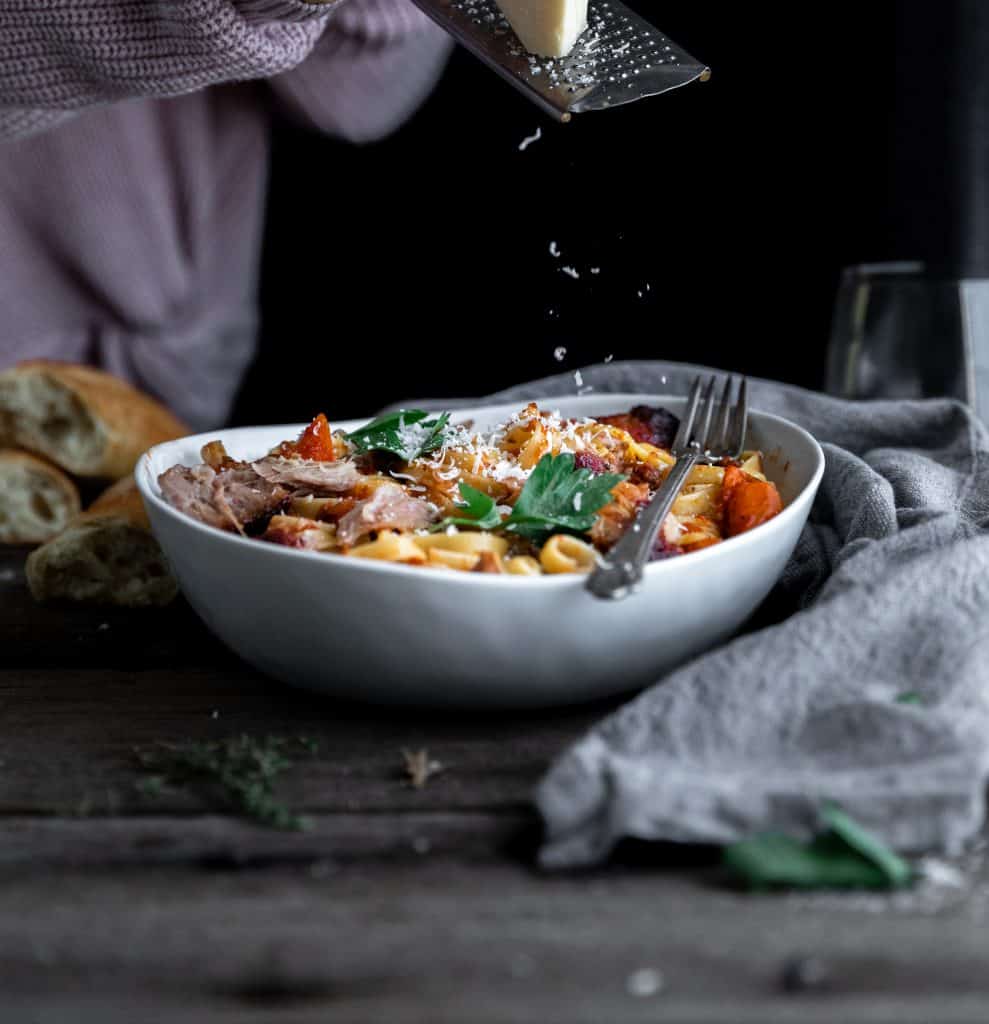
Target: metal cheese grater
619, 57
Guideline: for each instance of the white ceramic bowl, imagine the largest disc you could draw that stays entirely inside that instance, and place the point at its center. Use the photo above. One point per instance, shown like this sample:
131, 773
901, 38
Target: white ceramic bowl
400, 634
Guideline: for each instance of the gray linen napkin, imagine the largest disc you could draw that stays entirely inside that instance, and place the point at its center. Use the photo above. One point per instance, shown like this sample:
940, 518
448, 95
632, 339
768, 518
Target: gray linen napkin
890, 594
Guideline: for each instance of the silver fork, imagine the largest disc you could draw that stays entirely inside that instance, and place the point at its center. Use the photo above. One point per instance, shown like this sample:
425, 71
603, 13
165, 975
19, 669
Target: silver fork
717, 433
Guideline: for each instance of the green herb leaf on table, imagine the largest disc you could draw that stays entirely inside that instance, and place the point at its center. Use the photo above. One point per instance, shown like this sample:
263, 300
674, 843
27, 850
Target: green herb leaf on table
896, 870
309, 744
407, 433
240, 770
910, 697
845, 856
478, 510
559, 497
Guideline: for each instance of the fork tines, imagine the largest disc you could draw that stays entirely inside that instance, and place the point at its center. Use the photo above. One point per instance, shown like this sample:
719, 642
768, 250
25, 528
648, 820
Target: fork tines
715, 425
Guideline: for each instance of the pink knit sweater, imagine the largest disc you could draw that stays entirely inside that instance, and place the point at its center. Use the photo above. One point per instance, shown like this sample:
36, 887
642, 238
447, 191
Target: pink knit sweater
133, 165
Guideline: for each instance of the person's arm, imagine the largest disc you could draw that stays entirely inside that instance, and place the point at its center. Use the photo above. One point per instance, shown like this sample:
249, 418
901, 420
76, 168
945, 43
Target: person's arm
375, 63
64, 55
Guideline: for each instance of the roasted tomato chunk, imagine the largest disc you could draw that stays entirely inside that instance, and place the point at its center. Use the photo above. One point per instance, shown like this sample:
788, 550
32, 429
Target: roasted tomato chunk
648, 425
748, 502
661, 423
627, 422
315, 443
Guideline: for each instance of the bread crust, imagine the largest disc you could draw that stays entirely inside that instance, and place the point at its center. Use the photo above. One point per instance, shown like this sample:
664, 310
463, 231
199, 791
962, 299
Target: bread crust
13, 456
12, 460
127, 421
120, 501
106, 555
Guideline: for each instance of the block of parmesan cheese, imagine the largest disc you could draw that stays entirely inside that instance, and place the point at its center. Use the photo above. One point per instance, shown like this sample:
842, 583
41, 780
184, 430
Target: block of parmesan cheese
546, 27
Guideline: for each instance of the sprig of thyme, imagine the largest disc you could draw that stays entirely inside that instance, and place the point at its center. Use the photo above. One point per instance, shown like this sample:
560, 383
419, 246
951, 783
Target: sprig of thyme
241, 770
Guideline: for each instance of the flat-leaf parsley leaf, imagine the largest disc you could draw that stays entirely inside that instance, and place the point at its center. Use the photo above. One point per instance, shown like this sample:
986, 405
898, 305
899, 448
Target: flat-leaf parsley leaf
407, 433
556, 497
478, 510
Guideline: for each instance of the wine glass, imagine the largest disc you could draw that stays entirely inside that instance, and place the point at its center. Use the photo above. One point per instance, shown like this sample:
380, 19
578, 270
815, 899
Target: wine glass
899, 332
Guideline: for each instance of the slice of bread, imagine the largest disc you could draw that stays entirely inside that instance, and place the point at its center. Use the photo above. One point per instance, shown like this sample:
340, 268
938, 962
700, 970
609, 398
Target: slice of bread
36, 499
86, 421
106, 555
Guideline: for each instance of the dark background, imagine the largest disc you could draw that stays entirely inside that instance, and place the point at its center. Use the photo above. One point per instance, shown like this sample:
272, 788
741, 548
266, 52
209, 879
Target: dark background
425, 267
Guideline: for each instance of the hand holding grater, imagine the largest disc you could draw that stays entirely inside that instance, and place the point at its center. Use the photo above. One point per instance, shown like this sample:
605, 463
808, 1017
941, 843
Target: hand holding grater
618, 58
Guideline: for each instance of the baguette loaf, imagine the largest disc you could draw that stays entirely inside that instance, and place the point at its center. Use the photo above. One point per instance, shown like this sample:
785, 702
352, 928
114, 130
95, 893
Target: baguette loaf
106, 555
86, 421
36, 499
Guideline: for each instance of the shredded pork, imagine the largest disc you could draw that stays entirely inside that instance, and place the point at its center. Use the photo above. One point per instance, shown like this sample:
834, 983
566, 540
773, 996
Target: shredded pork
319, 477
230, 499
388, 508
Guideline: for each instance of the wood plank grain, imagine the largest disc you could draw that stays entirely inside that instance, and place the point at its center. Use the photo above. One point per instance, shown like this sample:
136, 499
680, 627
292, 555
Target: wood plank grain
69, 635
434, 940
508, 1005
68, 738
218, 841
398, 905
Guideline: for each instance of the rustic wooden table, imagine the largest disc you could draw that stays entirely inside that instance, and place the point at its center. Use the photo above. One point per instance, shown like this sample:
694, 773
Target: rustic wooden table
398, 905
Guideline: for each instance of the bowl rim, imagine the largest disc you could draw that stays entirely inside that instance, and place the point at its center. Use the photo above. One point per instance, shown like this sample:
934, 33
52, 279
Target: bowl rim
147, 486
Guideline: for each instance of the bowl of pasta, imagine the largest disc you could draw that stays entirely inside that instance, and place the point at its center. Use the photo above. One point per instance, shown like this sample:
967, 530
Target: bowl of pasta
441, 558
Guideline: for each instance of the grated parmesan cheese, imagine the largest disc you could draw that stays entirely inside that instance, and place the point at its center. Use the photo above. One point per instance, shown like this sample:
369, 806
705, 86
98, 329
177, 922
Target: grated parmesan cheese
487, 450
530, 139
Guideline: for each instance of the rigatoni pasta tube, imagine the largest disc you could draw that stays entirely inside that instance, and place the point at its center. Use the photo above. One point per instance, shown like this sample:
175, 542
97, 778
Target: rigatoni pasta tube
523, 565
461, 560
464, 541
390, 547
563, 553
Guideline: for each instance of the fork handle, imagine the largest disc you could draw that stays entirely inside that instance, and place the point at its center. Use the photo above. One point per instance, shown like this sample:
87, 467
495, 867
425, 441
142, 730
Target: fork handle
621, 571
